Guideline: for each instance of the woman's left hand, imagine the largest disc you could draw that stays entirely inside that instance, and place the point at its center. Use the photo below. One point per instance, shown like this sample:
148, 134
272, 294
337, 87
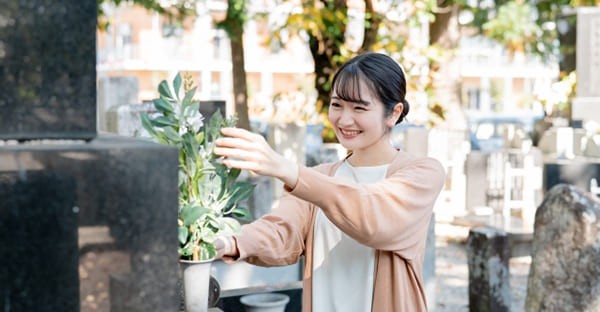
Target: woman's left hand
252, 152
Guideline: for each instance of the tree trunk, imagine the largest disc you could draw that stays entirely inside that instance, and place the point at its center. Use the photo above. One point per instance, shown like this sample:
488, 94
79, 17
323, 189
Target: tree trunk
372, 20
445, 32
240, 95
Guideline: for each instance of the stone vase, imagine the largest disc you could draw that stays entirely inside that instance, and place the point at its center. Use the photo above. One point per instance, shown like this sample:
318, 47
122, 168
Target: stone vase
196, 278
268, 302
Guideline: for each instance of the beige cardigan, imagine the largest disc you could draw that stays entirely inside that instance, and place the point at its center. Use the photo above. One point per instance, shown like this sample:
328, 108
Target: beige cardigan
390, 216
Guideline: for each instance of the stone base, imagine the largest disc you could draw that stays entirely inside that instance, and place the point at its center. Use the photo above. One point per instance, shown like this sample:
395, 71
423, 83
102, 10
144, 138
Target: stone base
120, 194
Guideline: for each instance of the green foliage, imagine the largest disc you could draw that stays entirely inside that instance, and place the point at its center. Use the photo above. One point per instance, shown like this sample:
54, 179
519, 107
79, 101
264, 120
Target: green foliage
513, 27
235, 19
208, 191
176, 9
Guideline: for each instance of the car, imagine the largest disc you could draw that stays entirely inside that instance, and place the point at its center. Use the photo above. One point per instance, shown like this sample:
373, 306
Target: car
487, 132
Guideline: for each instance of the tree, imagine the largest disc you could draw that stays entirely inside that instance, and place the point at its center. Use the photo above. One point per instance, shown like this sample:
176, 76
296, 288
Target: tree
233, 24
325, 22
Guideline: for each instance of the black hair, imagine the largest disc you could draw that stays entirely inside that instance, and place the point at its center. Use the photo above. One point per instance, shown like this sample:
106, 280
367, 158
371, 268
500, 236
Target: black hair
382, 75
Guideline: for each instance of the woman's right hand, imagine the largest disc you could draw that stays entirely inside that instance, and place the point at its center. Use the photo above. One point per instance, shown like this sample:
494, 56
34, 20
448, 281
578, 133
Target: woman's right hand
226, 248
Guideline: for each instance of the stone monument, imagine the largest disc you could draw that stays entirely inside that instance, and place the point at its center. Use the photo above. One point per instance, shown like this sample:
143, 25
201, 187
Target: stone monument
89, 221
586, 104
565, 266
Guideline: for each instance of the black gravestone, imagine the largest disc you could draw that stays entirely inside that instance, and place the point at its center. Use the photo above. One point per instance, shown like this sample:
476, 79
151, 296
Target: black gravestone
88, 222
123, 190
574, 172
47, 69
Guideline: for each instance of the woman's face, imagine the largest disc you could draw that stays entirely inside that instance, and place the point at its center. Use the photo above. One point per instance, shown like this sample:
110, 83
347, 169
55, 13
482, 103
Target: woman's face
359, 126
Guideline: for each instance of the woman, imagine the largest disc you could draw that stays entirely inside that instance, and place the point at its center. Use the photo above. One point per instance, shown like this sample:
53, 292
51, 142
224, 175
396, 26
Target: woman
361, 222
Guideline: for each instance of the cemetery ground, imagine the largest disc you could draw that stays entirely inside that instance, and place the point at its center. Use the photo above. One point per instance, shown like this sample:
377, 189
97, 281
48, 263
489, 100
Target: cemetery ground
452, 274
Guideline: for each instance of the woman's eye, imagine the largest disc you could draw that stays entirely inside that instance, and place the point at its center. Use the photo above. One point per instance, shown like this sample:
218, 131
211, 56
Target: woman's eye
335, 105
359, 108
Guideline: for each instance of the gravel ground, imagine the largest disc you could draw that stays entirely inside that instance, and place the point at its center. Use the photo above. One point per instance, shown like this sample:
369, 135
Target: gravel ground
452, 274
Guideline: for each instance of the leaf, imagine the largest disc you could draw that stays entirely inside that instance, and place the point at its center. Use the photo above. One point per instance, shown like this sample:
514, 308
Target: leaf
242, 213
177, 84
172, 135
232, 226
182, 234
207, 251
191, 146
241, 191
187, 99
147, 124
163, 106
162, 121
191, 214
163, 89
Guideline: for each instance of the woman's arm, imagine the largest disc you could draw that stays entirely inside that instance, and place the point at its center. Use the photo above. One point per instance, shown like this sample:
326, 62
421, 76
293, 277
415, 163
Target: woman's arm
392, 214
276, 239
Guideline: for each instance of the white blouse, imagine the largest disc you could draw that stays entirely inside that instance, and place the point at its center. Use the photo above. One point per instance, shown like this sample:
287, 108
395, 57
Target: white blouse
342, 268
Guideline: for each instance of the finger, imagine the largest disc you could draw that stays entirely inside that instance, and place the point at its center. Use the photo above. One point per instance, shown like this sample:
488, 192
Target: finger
241, 164
240, 133
235, 142
235, 152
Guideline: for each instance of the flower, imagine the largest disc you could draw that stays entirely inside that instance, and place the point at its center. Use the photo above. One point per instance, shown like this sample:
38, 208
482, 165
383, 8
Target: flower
208, 192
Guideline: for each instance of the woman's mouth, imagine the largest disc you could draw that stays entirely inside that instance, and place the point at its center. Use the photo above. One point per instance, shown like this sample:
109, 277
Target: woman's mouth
348, 134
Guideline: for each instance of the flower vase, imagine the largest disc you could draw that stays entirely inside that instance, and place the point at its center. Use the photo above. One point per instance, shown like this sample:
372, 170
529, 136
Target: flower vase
196, 278
268, 302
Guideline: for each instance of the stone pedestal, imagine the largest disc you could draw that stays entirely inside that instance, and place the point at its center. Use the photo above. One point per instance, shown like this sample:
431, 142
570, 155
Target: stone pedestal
55, 193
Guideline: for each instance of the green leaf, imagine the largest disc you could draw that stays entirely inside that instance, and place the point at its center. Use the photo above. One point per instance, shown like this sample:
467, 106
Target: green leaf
186, 250
191, 146
232, 226
187, 99
191, 214
162, 121
147, 124
163, 89
182, 234
241, 191
207, 251
163, 106
177, 84
242, 213
172, 135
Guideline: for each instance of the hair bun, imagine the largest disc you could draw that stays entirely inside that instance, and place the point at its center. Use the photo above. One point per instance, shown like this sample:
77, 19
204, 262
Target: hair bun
405, 109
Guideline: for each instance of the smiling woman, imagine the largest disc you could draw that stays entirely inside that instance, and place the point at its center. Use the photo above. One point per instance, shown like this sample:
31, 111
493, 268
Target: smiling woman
361, 222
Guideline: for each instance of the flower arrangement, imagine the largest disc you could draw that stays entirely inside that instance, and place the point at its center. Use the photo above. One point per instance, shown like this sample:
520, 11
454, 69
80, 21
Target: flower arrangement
208, 192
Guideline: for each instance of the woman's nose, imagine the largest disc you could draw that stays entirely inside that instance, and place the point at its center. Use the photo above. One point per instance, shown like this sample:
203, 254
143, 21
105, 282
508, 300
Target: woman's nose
346, 118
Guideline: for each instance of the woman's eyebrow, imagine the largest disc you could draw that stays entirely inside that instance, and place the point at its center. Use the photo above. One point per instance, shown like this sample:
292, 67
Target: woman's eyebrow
363, 102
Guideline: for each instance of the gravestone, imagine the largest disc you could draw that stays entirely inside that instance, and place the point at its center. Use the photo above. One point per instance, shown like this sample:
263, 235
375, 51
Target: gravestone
565, 269
588, 65
114, 92
488, 253
89, 222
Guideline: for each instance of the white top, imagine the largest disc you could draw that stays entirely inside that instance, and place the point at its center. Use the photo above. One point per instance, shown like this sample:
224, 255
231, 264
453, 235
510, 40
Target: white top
342, 268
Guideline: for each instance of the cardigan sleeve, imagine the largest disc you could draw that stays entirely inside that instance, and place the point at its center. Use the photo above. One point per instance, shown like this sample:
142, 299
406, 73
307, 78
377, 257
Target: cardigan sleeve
392, 214
278, 238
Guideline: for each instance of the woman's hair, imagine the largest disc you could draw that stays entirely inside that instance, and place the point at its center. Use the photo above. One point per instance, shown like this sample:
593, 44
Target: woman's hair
382, 75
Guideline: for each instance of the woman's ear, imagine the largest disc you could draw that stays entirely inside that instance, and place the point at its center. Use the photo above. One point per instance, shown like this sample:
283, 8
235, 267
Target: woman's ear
396, 112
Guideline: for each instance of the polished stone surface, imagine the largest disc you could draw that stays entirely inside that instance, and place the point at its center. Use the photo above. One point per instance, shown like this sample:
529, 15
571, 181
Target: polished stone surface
79, 217
47, 69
